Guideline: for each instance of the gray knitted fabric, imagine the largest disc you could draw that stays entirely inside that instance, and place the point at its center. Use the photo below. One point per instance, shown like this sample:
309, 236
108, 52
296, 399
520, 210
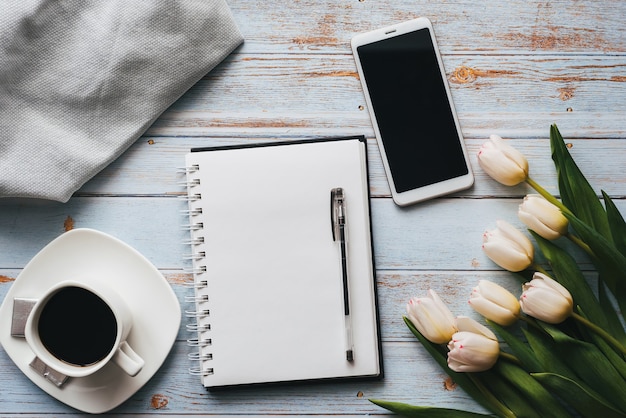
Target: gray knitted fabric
81, 80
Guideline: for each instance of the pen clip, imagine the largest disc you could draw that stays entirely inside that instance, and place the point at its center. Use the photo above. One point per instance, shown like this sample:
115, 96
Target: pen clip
337, 210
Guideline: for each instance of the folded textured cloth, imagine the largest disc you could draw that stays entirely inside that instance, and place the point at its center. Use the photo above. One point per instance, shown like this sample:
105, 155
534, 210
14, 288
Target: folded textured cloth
81, 80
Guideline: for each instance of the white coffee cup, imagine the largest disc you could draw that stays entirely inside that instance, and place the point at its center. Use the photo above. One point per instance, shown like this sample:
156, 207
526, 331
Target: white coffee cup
76, 328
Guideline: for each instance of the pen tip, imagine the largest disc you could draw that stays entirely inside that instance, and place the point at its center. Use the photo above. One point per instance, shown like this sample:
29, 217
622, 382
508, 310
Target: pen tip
349, 355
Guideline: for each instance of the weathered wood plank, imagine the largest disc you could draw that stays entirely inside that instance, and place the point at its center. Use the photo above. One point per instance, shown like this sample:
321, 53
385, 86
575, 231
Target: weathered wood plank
304, 95
172, 390
514, 67
395, 288
512, 27
443, 234
412, 376
149, 166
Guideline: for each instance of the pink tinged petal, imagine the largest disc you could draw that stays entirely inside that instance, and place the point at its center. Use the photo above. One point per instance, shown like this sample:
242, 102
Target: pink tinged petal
467, 324
546, 299
470, 352
553, 284
545, 308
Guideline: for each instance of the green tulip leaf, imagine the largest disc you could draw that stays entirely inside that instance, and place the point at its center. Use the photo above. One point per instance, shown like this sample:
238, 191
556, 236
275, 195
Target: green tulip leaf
614, 326
544, 349
590, 364
576, 192
611, 264
425, 411
547, 353
542, 401
616, 359
509, 395
616, 224
588, 404
522, 351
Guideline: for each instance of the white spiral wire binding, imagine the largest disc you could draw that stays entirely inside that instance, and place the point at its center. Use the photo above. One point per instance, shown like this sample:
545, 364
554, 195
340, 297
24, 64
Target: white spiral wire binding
198, 328
195, 270
194, 241
199, 314
192, 212
195, 256
193, 227
196, 298
200, 357
188, 170
197, 284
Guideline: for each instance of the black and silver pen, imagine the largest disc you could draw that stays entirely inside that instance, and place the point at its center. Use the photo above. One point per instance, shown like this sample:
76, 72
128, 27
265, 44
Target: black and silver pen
339, 234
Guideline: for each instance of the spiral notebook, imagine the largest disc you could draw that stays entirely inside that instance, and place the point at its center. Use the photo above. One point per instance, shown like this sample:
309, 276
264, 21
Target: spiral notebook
272, 301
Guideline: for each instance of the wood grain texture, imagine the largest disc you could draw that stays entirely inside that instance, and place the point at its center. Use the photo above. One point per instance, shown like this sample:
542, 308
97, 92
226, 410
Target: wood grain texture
148, 168
514, 68
511, 95
441, 234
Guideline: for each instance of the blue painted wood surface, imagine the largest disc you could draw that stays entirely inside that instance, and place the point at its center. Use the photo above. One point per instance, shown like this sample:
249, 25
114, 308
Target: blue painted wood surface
514, 67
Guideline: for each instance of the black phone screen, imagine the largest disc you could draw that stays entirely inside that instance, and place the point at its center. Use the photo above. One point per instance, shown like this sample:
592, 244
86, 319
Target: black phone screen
414, 118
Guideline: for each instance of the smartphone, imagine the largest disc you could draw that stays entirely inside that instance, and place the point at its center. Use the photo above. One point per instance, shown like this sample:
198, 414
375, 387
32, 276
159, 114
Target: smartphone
410, 104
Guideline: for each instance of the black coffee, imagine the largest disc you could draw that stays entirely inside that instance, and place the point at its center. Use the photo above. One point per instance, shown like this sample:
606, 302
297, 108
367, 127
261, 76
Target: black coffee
77, 327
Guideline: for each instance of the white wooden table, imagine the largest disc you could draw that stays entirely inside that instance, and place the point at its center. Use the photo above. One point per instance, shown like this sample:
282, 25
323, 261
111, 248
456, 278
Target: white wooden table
514, 66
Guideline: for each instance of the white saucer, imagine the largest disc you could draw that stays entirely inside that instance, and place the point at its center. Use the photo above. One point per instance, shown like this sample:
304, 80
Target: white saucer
155, 308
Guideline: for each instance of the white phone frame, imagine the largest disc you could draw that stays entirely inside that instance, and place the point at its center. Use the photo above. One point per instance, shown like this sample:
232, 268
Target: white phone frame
432, 190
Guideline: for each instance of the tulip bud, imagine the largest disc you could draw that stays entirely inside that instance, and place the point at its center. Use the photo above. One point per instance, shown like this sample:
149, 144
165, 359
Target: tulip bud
474, 348
542, 217
546, 299
494, 303
508, 247
502, 162
432, 318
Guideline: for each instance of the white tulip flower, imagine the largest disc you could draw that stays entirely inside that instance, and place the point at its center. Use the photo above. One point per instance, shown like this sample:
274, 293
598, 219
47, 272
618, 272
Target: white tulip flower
508, 247
546, 299
502, 162
495, 303
474, 348
432, 318
542, 217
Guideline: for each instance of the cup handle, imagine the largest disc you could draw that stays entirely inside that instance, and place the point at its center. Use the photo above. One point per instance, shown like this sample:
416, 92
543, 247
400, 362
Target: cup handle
128, 360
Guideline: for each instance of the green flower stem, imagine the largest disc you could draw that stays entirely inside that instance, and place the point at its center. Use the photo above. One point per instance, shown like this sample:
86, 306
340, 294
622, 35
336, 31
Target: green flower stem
530, 322
540, 269
510, 358
600, 332
498, 406
576, 240
547, 195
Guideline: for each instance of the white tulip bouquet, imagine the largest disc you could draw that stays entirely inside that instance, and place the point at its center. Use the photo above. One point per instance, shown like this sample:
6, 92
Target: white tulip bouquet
559, 350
